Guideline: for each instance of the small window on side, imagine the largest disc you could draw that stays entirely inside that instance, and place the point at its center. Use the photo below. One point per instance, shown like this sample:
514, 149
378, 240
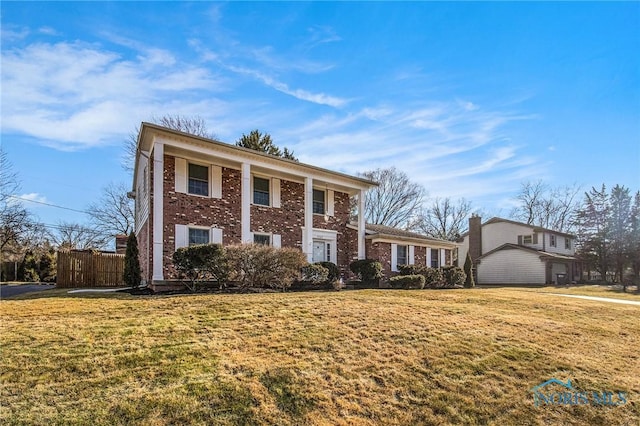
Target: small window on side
262, 239
198, 236
260, 191
198, 180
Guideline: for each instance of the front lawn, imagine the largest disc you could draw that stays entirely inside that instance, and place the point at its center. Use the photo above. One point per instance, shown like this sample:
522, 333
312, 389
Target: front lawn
355, 357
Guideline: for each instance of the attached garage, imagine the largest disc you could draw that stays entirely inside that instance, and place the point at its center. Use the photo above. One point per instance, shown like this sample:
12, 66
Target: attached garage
514, 264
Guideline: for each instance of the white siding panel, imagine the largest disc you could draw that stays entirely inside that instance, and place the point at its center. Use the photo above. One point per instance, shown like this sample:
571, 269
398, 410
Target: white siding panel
181, 175
511, 267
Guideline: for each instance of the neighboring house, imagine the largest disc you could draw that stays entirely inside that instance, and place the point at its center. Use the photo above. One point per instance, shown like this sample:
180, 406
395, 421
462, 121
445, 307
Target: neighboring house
193, 190
393, 247
508, 252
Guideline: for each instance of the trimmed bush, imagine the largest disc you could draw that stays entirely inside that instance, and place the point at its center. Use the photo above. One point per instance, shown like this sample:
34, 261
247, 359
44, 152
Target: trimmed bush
367, 269
255, 265
453, 276
434, 278
315, 273
408, 282
207, 262
334, 271
412, 269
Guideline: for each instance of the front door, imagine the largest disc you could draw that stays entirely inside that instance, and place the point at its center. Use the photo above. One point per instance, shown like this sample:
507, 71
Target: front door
319, 251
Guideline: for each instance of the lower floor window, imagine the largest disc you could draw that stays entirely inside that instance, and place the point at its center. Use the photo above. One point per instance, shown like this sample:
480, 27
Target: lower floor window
198, 236
434, 258
262, 239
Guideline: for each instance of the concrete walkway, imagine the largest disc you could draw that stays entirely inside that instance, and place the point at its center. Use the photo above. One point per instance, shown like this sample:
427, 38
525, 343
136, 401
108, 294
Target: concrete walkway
599, 299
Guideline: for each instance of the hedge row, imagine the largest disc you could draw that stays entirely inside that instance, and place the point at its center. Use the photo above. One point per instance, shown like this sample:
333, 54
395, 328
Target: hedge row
445, 277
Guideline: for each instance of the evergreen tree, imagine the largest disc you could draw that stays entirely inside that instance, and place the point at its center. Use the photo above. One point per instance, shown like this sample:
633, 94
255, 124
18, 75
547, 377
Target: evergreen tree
593, 230
634, 246
262, 142
469, 282
132, 272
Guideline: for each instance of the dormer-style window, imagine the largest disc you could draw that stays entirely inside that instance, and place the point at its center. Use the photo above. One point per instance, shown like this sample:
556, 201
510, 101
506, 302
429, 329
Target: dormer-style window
527, 239
567, 243
198, 180
552, 240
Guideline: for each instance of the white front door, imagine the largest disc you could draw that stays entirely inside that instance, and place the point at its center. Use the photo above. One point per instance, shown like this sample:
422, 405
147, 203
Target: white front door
320, 251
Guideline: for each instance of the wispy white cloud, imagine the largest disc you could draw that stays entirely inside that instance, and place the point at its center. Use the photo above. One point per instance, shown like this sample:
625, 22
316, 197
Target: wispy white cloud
48, 31
75, 95
34, 196
321, 34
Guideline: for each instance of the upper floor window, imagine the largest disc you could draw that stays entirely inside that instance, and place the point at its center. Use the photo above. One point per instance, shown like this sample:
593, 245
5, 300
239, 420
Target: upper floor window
401, 257
552, 240
262, 239
260, 191
527, 239
567, 243
318, 201
198, 180
198, 236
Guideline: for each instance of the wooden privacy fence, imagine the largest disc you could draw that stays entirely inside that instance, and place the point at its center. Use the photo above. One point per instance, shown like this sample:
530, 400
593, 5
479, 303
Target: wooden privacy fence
84, 268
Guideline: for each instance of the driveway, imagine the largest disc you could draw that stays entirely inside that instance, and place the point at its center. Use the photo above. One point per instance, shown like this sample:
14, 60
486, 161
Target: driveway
7, 291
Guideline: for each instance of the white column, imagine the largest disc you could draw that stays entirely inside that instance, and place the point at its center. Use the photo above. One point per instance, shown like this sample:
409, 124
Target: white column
307, 241
245, 209
158, 218
361, 225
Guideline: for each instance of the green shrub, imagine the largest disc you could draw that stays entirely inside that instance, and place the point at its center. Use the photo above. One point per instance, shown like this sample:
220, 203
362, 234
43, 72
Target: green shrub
207, 262
412, 269
453, 276
255, 265
434, 278
31, 275
47, 266
315, 273
408, 282
132, 272
334, 271
367, 269
469, 281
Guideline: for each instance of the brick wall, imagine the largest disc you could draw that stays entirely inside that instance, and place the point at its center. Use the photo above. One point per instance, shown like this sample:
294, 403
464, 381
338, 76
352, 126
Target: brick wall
286, 220
420, 255
185, 209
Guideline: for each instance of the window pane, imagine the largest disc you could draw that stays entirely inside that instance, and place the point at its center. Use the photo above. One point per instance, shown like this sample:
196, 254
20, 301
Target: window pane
402, 255
260, 184
262, 239
198, 180
260, 191
318, 201
434, 258
198, 172
198, 236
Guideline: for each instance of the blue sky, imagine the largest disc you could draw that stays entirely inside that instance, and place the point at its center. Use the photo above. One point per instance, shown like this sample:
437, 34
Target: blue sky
469, 99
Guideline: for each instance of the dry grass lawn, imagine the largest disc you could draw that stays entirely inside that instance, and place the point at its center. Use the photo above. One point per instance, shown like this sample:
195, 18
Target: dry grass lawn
355, 357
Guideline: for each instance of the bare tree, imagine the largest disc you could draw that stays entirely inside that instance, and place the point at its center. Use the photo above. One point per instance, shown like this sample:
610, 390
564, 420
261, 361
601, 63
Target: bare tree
68, 235
113, 213
16, 224
396, 201
193, 125
542, 205
444, 219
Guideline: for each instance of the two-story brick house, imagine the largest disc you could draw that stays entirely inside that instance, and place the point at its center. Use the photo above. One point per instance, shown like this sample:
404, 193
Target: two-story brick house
509, 252
193, 190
